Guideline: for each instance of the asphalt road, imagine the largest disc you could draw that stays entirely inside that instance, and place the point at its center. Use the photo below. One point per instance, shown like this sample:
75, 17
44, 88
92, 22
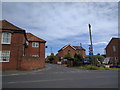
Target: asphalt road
57, 76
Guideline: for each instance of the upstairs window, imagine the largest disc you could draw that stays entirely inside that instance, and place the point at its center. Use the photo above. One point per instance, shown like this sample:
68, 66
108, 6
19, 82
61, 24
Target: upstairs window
4, 56
68, 51
6, 38
35, 44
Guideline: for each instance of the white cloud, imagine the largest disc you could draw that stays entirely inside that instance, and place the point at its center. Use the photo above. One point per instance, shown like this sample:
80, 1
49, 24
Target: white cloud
97, 43
55, 22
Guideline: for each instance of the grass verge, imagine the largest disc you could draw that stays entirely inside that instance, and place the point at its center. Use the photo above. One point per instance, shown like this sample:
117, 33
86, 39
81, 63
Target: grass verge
91, 67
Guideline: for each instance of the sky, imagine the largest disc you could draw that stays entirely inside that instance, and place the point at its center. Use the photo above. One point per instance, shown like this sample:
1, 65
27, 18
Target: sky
63, 23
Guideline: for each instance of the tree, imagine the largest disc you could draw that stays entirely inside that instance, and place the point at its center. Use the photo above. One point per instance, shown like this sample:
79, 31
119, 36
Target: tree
51, 57
68, 57
78, 57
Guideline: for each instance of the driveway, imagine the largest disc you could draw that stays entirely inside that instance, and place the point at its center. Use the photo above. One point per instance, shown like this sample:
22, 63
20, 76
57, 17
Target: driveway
57, 76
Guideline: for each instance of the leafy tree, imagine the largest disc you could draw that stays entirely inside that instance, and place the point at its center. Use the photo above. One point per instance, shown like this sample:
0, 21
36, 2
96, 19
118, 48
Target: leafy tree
78, 57
51, 57
68, 56
75, 57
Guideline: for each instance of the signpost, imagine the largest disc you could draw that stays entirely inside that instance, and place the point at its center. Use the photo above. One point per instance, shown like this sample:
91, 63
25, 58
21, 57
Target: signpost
90, 46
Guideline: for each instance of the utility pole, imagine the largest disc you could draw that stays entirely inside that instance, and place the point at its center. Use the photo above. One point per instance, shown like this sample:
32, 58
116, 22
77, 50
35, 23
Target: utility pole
81, 44
91, 45
51, 49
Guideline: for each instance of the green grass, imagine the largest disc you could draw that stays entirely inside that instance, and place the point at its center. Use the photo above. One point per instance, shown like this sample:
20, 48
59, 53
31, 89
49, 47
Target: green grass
91, 67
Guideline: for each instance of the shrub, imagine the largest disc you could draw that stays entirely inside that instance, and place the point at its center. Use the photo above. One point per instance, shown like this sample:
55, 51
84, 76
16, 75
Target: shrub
91, 67
78, 57
52, 57
67, 56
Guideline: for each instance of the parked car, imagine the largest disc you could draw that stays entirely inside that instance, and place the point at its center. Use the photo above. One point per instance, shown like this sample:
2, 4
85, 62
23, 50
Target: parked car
86, 61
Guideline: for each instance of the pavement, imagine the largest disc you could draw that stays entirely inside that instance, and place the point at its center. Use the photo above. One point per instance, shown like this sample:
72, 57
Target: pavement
22, 72
49, 67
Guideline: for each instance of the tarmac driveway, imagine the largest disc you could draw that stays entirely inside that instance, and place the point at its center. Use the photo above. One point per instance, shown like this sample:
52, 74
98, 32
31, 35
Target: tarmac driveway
57, 76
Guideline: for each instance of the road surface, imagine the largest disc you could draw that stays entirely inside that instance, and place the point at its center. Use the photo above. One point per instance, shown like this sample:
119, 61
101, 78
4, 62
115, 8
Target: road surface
57, 76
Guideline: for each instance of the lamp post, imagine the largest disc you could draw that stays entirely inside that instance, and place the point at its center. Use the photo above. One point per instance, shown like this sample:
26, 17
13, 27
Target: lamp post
91, 46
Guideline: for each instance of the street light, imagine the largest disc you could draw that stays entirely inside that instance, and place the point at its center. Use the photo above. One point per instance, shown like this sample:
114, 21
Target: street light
91, 45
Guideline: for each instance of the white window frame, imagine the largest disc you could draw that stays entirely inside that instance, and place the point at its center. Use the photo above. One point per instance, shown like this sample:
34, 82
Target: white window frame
8, 38
35, 55
2, 55
35, 44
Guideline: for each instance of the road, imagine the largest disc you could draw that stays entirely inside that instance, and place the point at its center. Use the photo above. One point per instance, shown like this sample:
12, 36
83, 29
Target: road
57, 76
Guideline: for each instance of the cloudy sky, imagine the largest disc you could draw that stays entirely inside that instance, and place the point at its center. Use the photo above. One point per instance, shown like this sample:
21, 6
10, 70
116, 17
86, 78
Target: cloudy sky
62, 23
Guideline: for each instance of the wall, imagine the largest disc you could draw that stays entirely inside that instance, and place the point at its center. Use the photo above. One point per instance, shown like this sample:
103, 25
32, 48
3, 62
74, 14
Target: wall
62, 53
72, 51
109, 49
29, 63
36, 50
42, 50
16, 51
82, 52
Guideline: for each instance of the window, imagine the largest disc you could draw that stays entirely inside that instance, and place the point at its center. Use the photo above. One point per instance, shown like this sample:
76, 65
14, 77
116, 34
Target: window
114, 48
4, 56
6, 38
35, 44
35, 55
68, 51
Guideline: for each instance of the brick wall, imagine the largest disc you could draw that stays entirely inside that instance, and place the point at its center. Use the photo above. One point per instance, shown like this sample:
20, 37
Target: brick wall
36, 50
109, 49
16, 51
82, 52
29, 63
72, 51
32, 50
62, 53
42, 50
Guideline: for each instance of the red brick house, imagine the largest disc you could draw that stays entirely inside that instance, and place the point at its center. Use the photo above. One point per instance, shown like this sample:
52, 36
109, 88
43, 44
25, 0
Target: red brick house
113, 49
14, 54
71, 50
36, 46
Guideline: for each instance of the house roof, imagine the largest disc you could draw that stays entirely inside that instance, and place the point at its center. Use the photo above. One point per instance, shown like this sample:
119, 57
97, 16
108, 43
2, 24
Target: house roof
117, 39
66, 47
74, 47
4, 24
78, 48
31, 37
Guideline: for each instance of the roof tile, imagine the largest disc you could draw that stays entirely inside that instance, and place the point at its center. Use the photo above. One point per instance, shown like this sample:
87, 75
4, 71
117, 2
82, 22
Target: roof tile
32, 37
4, 24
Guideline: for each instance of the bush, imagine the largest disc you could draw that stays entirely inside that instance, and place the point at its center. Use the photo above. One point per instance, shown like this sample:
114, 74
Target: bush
96, 59
78, 57
91, 67
51, 58
47, 61
68, 56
